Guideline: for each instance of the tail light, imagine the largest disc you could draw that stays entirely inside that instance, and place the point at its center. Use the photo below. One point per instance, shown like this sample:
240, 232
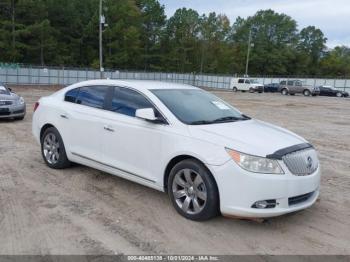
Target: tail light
36, 105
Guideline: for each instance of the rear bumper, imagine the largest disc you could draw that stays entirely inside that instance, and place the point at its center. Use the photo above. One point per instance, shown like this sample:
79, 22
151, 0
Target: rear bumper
240, 189
12, 111
259, 88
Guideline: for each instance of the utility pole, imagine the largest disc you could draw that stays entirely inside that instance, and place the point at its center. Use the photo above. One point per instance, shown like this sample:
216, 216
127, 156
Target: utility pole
100, 38
248, 52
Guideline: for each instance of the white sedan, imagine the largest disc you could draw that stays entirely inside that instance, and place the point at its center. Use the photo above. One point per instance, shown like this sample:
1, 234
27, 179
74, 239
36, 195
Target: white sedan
209, 157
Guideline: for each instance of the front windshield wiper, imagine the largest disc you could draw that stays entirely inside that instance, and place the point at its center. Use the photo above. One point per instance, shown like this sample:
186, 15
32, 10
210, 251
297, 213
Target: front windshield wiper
221, 120
201, 122
230, 119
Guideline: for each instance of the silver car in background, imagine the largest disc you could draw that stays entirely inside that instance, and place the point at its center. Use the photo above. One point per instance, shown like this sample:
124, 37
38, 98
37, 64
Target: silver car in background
11, 105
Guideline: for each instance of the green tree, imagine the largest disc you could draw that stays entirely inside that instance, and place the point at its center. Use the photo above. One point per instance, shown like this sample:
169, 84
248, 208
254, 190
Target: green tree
153, 21
274, 37
311, 48
180, 41
336, 62
216, 48
123, 35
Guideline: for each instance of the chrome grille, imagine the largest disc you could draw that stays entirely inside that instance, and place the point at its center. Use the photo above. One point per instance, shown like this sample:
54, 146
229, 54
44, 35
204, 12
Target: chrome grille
5, 103
302, 162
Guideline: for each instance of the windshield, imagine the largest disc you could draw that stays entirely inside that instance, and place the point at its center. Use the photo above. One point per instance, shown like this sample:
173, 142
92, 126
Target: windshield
254, 81
197, 107
3, 90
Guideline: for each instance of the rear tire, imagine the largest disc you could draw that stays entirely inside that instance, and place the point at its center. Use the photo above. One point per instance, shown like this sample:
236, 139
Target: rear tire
53, 150
193, 190
338, 94
234, 89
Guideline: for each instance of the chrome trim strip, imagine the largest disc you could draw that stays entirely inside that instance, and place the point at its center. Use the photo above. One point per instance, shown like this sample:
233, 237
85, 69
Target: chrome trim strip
101, 163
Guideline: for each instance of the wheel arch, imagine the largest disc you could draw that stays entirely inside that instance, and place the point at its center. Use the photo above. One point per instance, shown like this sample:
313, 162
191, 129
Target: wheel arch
177, 159
44, 128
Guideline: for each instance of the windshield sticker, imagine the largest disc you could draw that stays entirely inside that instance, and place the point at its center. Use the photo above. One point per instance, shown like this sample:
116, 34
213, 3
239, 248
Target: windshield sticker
220, 105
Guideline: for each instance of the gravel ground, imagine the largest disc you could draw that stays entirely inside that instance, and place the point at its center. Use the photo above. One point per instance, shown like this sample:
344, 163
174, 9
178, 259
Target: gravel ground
84, 211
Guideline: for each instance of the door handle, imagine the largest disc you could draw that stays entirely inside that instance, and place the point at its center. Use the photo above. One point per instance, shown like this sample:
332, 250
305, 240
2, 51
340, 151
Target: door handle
64, 116
108, 128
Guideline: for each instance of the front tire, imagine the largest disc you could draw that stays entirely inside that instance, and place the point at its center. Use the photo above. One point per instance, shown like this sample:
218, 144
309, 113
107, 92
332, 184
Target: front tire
193, 191
53, 150
307, 92
251, 90
284, 91
338, 94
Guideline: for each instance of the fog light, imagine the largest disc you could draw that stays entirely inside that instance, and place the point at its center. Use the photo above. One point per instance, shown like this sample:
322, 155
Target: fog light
264, 204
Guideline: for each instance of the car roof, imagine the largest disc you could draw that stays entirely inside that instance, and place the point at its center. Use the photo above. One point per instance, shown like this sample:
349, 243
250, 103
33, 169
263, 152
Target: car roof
137, 84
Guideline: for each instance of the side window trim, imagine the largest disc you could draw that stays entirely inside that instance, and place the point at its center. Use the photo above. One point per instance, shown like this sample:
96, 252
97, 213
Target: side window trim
75, 99
106, 97
145, 97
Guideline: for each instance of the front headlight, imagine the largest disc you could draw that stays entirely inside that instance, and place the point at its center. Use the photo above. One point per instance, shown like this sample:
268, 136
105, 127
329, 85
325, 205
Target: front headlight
255, 164
21, 101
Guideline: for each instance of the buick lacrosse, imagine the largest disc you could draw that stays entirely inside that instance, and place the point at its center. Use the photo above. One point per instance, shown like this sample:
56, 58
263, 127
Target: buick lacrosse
208, 156
11, 105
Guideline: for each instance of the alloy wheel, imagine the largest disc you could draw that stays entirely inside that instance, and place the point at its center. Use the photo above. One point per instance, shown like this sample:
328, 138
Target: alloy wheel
189, 191
51, 148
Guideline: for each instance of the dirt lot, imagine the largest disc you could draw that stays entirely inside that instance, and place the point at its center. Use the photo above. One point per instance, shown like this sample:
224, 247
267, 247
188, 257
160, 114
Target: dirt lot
84, 211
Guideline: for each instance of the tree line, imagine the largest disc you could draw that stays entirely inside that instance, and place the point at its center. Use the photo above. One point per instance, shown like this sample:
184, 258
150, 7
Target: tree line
139, 36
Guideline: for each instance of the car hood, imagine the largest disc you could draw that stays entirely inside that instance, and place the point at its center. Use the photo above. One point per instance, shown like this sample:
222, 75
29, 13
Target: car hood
251, 136
11, 97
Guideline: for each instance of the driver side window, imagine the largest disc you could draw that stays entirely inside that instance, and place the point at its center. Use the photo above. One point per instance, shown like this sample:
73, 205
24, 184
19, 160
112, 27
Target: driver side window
126, 101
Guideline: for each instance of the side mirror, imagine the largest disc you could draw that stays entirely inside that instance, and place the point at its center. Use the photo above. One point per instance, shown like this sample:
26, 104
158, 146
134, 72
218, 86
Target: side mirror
10, 89
148, 115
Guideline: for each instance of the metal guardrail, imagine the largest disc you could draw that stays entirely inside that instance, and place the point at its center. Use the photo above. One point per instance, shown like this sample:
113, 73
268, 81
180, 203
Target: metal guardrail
34, 75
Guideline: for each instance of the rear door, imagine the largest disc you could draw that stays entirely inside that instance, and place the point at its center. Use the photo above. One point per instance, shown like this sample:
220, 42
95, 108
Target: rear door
291, 86
298, 85
84, 113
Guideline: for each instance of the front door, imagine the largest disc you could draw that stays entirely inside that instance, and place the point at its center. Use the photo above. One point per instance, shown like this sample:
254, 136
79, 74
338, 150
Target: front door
133, 145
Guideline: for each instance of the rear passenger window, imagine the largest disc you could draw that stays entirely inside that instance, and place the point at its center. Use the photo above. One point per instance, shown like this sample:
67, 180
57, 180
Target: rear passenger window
93, 96
241, 81
126, 101
71, 95
283, 83
247, 81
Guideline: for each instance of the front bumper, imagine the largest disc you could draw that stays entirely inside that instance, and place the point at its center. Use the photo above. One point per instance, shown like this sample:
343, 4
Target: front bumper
12, 111
240, 189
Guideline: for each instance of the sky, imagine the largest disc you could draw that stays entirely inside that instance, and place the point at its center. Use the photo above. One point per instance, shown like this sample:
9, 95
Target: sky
331, 16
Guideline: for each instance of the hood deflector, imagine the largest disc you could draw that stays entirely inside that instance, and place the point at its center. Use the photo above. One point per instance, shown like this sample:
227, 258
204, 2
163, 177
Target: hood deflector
280, 153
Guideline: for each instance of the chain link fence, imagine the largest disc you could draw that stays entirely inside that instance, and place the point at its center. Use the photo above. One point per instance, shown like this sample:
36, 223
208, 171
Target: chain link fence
17, 74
